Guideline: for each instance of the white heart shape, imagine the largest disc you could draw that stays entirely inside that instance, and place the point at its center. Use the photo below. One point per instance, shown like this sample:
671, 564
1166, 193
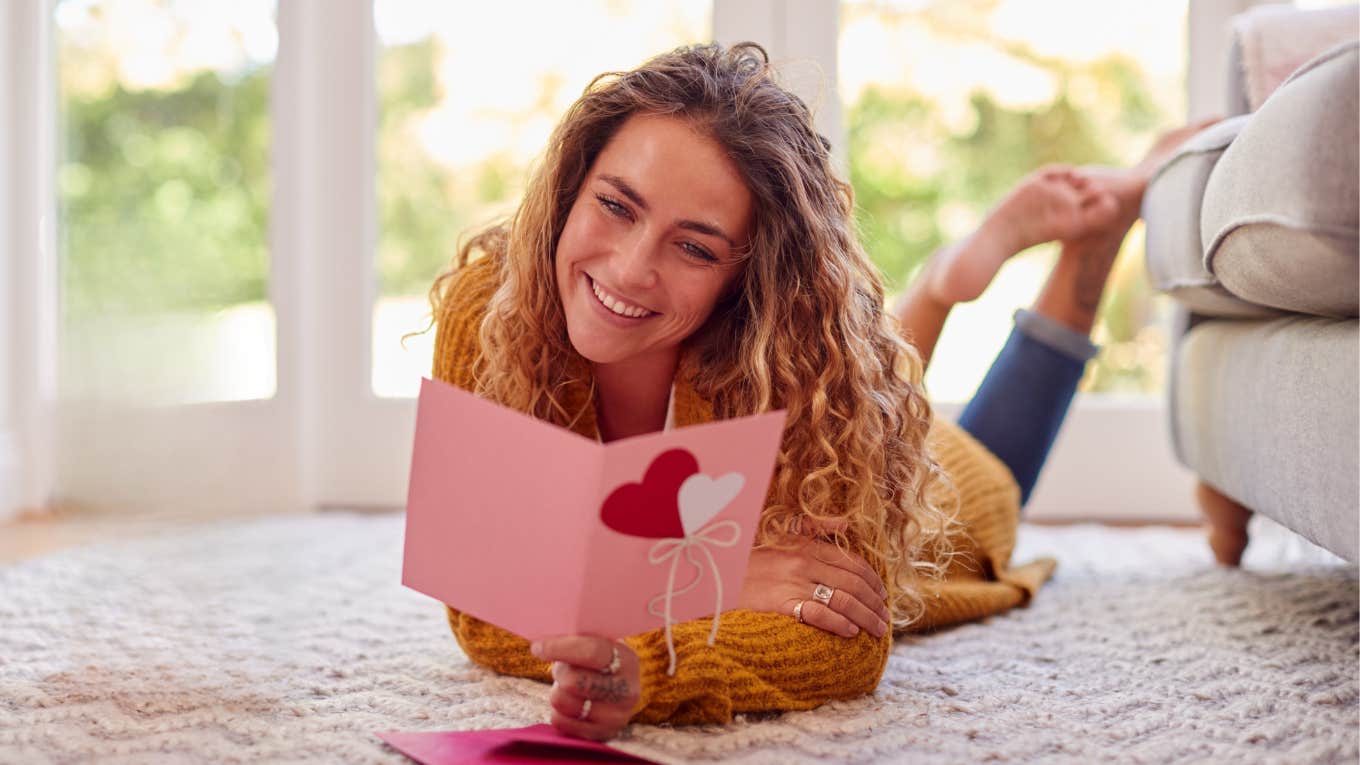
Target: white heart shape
702, 497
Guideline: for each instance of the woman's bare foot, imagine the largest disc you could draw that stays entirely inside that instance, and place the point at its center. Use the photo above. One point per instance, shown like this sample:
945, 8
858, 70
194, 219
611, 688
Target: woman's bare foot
1128, 184
1072, 294
1053, 203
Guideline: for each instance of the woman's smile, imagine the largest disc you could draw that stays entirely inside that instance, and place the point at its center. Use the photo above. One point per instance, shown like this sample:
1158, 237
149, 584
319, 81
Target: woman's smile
616, 307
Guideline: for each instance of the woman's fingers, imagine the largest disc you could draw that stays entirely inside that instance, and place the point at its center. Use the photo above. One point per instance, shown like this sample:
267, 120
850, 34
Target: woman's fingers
859, 594
590, 729
825, 618
834, 556
853, 599
847, 571
567, 701
581, 650
849, 606
612, 690
587, 702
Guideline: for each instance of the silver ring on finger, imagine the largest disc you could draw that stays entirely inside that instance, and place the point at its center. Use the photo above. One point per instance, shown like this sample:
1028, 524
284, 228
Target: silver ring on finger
584, 714
614, 663
822, 594
798, 611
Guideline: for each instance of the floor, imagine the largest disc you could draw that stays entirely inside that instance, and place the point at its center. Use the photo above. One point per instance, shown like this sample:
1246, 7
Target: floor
35, 534
273, 641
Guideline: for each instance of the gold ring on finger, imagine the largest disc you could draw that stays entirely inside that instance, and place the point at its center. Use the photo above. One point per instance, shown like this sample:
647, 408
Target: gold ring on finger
822, 594
798, 611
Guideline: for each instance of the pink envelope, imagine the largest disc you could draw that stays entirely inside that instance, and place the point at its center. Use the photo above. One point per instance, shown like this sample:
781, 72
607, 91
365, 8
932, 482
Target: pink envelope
535, 744
540, 531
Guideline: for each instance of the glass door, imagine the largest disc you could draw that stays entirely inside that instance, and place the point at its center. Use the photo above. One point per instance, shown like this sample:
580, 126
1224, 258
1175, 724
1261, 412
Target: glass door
166, 330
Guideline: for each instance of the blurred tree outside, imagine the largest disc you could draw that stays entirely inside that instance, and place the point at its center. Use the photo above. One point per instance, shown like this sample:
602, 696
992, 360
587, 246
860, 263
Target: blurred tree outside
163, 193
165, 196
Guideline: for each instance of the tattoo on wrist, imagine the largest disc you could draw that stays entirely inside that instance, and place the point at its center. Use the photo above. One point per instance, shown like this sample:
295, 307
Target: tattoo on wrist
1090, 284
611, 690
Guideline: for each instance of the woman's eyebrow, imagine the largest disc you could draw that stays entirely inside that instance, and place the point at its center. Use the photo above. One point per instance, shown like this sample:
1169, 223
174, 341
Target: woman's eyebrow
692, 225
625, 189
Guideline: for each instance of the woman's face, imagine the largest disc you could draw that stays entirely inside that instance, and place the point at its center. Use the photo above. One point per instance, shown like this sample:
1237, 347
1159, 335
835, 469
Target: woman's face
651, 241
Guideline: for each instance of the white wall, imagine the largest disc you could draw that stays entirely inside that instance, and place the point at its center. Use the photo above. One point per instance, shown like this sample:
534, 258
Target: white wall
9, 468
27, 269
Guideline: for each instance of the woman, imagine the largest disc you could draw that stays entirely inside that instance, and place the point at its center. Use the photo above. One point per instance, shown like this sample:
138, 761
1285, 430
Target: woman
686, 252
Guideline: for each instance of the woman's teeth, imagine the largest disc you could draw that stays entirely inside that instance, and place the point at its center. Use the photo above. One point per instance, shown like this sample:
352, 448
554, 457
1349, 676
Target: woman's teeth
618, 306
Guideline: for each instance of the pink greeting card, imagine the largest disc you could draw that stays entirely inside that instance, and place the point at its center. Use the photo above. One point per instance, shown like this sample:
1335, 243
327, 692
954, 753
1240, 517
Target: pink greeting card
540, 531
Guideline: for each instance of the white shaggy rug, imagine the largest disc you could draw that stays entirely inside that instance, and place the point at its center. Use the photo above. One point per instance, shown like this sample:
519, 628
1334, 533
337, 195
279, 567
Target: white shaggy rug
291, 640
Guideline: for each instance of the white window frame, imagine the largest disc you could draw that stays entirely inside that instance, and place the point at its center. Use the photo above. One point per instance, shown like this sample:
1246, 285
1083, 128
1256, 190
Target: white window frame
325, 440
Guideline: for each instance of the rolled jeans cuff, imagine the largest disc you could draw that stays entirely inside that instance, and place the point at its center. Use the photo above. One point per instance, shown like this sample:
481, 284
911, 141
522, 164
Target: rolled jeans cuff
1055, 335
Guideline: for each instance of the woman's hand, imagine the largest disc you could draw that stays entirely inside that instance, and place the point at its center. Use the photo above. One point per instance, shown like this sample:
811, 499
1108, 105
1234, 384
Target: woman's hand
596, 684
778, 580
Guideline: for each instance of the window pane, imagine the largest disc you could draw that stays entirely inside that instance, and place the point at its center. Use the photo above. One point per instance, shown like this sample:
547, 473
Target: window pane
163, 183
463, 113
949, 104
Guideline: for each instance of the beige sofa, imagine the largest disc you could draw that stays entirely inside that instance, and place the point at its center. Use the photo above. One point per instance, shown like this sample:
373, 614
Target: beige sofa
1252, 230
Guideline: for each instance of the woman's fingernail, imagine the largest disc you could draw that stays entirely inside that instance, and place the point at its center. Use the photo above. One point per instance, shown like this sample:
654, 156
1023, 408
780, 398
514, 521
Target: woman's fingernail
536, 648
854, 630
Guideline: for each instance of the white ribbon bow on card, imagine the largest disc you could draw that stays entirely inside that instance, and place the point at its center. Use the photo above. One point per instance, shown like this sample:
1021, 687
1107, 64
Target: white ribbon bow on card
722, 534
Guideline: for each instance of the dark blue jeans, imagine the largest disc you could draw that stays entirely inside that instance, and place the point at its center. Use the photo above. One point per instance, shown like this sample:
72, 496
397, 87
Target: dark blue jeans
1020, 405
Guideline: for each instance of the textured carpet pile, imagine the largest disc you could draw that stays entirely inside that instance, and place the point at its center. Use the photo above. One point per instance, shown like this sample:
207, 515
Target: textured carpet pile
291, 639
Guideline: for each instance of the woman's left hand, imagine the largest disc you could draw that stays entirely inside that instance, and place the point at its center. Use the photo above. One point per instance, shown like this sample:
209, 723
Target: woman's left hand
596, 684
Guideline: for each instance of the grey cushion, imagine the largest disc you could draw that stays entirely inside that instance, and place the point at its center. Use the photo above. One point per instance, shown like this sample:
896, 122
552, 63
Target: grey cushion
1268, 412
1281, 206
1171, 212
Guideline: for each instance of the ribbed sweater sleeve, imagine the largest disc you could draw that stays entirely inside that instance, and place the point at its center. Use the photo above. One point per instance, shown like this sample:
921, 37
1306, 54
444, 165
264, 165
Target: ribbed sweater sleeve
760, 662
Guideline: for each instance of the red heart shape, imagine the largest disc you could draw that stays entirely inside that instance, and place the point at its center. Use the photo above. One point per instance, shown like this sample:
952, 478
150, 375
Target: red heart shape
651, 508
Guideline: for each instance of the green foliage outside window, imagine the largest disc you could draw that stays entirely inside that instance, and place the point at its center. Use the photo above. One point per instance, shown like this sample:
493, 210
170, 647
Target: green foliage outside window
164, 196
165, 193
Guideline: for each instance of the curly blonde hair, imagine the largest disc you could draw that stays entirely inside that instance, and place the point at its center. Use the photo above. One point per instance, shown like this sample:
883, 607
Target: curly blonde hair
803, 328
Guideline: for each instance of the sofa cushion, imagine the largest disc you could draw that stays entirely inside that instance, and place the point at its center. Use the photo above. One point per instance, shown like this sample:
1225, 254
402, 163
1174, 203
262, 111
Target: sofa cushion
1171, 212
1281, 206
1265, 411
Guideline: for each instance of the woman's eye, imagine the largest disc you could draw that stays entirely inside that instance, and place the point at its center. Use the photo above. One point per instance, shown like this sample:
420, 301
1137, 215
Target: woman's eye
698, 252
613, 207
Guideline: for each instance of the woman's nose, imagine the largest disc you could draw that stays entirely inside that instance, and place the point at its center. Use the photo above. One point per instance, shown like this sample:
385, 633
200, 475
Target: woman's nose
634, 262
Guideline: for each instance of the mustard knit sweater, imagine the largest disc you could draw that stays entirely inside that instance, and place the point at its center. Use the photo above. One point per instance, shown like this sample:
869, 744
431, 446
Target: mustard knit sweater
762, 661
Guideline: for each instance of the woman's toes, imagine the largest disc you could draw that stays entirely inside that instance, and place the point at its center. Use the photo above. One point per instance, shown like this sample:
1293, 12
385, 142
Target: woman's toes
1100, 209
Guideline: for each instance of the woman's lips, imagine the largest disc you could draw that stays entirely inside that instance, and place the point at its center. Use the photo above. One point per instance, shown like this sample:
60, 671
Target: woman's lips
600, 295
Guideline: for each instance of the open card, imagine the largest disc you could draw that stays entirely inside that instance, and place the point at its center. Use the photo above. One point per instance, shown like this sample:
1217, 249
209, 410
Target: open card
540, 531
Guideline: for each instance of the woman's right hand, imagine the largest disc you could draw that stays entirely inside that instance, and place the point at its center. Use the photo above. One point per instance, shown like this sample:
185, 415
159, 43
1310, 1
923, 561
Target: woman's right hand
778, 579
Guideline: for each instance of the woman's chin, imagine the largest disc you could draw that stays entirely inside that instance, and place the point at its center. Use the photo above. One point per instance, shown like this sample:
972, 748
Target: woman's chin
595, 349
